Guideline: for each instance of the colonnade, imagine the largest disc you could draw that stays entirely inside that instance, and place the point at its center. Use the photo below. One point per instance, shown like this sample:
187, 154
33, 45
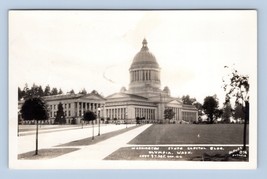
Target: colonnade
145, 112
144, 75
81, 107
118, 113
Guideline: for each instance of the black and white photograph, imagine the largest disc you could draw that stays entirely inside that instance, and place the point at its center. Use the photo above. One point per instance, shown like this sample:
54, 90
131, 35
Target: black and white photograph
132, 89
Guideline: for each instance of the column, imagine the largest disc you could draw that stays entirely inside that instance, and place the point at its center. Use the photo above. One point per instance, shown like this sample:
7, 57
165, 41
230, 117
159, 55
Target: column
82, 108
144, 74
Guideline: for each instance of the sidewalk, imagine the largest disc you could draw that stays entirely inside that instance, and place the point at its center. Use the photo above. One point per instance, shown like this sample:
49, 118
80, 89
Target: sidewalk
102, 149
50, 139
52, 128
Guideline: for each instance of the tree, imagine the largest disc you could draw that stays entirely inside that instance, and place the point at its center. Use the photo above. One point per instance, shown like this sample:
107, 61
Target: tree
20, 93
168, 114
115, 120
34, 108
60, 117
94, 92
238, 112
199, 107
47, 91
218, 113
227, 112
187, 100
34, 90
72, 91
90, 116
236, 87
137, 120
210, 105
27, 91
54, 91
83, 91
60, 91
40, 91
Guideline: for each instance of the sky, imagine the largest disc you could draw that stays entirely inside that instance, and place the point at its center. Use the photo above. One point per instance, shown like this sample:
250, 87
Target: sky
94, 49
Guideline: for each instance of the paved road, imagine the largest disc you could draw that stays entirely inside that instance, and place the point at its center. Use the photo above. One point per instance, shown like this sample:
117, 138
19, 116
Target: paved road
50, 137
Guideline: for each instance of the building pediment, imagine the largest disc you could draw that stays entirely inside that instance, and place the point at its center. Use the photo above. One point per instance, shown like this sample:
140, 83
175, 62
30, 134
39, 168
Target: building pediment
93, 97
175, 103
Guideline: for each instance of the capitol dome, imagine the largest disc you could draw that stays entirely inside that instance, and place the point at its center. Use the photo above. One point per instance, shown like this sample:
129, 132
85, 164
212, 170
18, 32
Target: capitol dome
144, 58
144, 73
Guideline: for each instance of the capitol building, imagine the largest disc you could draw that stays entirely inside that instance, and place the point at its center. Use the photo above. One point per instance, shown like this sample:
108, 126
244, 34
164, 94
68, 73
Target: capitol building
144, 98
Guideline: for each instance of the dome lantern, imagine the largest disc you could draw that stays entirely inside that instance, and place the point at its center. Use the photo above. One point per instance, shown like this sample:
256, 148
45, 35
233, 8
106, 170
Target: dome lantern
144, 45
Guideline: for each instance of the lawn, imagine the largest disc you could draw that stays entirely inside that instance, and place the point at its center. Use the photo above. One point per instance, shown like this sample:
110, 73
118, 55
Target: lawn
45, 153
191, 134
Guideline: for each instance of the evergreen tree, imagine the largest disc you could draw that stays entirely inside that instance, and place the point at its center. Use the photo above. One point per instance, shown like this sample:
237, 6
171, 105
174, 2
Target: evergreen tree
83, 91
60, 117
47, 91
34, 90
72, 91
54, 91
40, 91
60, 91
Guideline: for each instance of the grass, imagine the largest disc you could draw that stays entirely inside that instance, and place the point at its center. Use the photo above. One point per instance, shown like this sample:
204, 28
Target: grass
173, 134
191, 134
46, 153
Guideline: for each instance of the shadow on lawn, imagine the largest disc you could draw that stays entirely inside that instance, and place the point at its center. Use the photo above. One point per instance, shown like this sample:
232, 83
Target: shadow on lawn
45, 153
